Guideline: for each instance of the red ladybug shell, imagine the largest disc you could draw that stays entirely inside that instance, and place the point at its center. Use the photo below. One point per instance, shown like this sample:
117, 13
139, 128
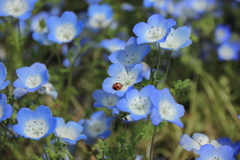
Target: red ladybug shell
117, 86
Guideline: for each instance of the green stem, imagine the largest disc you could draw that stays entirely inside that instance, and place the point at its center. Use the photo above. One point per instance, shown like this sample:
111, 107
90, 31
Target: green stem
103, 155
159, 62
7, 130
150, 153
166, 74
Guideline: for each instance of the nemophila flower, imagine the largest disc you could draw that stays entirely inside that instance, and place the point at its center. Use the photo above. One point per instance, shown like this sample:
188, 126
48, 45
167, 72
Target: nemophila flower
42, 38
239, 117
228, 51
92, 1
5, 109
121, 79
39, 22
70, 132
3, 75
209, 152
19, 93
200, 6
112, 44
133, 53
65, 28
138, 157
21, 9
155, 30
177, 39
105, 99
165, 108
35, 124
137, 103
32, 78
127, 7
48, 89
222, 33
227, 141
195, 143
100, 15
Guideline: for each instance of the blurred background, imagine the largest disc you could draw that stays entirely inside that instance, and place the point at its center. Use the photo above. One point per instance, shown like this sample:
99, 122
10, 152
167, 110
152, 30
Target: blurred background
211, 62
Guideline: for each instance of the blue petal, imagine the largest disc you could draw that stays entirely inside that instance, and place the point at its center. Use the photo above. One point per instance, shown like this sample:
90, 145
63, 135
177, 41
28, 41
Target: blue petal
8, 110
24, 115
3, 73
113, 56
122, 105
105, 134
99, 95
136, 117
3, 99
107, 85
68, 17
98, 115
156, 20
43, 112
98, 104
53, 22
76, 126
79, 27
115, 69
23, 73
155, 117
4, 85
146, 91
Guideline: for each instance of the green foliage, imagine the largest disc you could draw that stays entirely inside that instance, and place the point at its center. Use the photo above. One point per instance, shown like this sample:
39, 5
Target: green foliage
180, 87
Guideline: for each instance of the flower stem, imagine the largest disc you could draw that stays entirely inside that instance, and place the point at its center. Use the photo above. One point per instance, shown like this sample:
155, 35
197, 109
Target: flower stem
150, 153
166, 74
159, 61
7, 130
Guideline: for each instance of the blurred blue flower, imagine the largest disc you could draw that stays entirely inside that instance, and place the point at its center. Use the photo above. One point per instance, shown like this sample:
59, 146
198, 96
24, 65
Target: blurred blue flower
137, 103
35, 124
195, 143
227, 141
155, 30
228, 51
65, 28
222, 33
177, 39
122, 79
32, 78
133, 53
3, 75
127, 7
208, 152
21, 9
104, 99
112, 44
42, 38
19, 93
165, 108
100, 15
92, 1
6, 110
70, 132
48, 89
39, 22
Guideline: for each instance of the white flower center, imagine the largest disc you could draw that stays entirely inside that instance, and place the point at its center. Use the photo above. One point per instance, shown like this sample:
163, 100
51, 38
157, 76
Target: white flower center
64, 132
166, 111
16, 7
109, 101
96, 127
99, 17
127, 79
139, 105
200, 6
1, 112
65, 32
40, 26
226, 52
171, 42
33, 81
36, 128
155, 33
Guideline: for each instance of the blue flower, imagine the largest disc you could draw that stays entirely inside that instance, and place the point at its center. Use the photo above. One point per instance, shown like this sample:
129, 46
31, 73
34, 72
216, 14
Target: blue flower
19, 93
228, 51
42, 38
105, 99
222, 33
165, 108
21, 9
138, 104
3, 75
208, 152
48, 89
35, 124
127, 7
177, 39
65, 28
39, 22
112, 44
100, 15
5, 109
195, 143
227, 141
155, 30
32, 78
70, 132
122, 79
199, 6
92, 1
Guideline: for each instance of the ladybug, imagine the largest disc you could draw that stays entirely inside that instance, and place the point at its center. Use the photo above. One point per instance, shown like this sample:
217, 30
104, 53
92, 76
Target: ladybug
117, 86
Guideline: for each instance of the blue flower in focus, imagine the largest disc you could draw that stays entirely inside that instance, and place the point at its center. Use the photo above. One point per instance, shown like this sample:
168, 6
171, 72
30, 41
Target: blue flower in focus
6, 110
21, 9
19, 93
165, 108
138, 104
227, 141
105, 99
228, 51
3, 75
177, 39
99, 126
112, 44
65, 28
70, 132
195, 143
222, 33
35, 124
208, 152
100, 15
122, 79
155, 30
32, 78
